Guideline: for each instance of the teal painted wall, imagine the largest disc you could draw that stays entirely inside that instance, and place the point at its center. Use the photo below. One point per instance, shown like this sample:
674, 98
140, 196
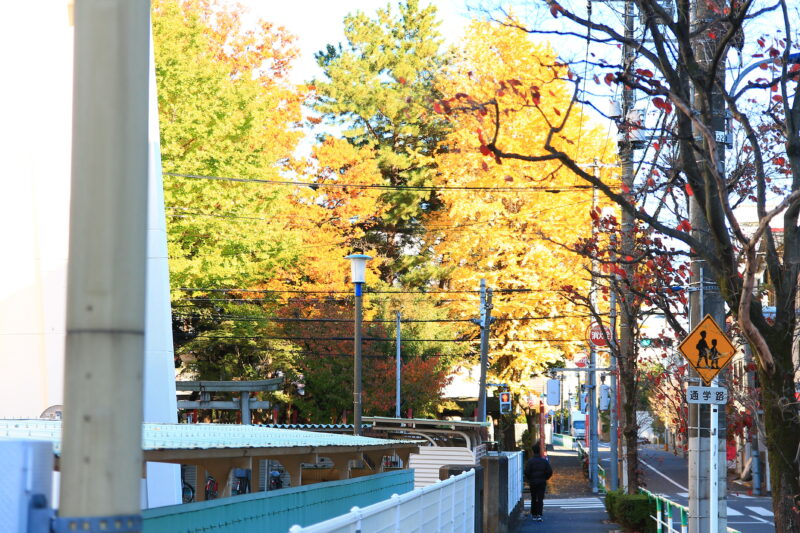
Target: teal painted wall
277, 511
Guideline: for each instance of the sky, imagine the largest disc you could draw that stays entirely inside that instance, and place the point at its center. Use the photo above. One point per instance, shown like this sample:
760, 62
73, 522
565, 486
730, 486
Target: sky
318, 23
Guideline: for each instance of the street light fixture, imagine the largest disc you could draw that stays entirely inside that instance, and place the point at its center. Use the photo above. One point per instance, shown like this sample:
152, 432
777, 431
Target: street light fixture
358, 267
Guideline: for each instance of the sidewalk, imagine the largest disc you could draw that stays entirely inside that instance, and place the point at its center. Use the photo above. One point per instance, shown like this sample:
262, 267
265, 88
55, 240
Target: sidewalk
569, 504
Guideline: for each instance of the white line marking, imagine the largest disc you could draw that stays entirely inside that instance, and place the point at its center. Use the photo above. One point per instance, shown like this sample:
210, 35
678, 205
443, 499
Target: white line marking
760, 511
733, 512
665, 477
683, 494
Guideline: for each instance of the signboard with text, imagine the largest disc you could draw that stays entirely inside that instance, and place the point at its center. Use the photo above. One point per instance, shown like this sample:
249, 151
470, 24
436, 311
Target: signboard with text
716, 395
707, 349
599, 335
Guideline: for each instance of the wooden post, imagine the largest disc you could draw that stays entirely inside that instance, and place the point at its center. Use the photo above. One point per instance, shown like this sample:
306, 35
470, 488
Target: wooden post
101, 460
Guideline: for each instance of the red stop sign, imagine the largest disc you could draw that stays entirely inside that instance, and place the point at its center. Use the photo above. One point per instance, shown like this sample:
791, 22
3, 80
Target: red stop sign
596, 336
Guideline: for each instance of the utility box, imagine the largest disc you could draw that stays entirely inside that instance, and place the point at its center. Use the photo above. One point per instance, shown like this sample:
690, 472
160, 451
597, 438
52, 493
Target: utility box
26, 475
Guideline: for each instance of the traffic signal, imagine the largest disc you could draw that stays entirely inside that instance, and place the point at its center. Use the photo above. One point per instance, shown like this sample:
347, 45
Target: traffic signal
505, 402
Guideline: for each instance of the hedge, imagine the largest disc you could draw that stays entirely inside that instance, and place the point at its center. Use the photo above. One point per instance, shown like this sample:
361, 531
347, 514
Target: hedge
631, 511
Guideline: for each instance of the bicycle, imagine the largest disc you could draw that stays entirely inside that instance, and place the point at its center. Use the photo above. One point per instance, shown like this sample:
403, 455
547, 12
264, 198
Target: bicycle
212, 488
187, 490
187, 493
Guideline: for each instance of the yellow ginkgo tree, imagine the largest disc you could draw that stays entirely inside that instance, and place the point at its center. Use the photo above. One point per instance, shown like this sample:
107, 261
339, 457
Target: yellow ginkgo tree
516, 223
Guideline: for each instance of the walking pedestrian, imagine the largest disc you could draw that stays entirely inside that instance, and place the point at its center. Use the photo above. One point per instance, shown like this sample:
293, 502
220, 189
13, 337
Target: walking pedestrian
537, 472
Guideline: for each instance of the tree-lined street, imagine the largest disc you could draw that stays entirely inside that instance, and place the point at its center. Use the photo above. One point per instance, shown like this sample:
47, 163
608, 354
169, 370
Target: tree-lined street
555, 211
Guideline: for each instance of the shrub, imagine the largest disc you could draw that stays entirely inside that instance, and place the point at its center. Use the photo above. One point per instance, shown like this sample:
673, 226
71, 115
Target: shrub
631, 511
610, 501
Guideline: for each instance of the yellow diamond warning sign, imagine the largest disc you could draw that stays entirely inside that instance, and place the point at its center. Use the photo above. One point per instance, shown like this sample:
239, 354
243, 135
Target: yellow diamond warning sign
707, 349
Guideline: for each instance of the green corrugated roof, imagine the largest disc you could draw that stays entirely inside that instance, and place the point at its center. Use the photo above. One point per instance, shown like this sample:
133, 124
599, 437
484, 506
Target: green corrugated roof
200, 436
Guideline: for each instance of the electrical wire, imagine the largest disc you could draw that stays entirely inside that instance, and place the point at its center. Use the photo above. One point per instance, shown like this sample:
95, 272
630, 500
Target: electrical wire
378, 186
372, 339
235, 318
367, 291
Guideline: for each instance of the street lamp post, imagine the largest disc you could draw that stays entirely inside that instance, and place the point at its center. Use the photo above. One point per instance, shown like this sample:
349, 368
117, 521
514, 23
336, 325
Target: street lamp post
358, 266
793, 59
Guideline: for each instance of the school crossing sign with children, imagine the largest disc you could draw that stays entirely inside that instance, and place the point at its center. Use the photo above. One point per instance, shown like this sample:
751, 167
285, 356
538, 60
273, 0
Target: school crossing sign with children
707, 349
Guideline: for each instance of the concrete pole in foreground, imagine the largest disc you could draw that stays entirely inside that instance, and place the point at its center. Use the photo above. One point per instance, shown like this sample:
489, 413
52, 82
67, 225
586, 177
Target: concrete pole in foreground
101, 459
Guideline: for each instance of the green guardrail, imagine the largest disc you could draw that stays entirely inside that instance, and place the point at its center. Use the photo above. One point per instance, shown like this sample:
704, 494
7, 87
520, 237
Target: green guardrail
560, 439
601, 472
277, 510
665, 510
601, 480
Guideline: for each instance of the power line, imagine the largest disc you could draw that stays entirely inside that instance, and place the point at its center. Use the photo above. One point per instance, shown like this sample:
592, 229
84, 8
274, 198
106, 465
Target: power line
457, 227
373, 339
367, 291
350, 355
379, 186
235, 318
300, 291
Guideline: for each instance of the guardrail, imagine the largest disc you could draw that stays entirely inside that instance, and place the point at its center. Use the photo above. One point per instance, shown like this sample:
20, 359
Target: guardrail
561, 439
601, 480
665, 515
602, 486
446, 507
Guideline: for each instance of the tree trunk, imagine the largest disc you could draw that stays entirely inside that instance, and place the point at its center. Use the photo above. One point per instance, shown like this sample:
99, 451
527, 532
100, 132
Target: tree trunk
630, 429
532, 420
782, 439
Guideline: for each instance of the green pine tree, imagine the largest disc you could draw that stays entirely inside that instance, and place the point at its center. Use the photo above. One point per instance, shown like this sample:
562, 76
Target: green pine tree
379, 89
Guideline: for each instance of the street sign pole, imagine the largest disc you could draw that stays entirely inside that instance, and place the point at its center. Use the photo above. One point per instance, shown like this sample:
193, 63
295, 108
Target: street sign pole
713, 504
707, 351
713, 397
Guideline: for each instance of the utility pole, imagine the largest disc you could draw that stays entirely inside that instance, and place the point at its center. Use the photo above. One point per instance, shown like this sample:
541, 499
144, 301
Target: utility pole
591, 389
707, 481
485, 322
101, 458
613, 351
625, 346
397, 371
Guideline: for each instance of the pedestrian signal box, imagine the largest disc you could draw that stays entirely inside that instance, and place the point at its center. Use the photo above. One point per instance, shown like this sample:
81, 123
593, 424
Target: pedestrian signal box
505, 402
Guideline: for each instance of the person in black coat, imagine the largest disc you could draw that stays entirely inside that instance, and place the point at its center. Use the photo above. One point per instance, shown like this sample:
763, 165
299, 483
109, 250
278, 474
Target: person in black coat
537, 472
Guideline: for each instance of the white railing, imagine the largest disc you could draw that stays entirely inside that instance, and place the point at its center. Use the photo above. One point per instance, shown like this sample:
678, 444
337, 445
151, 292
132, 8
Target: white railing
515, 473
445, 507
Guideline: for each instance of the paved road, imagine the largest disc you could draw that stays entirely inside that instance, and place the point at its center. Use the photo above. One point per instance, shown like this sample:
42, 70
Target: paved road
569, 505
586, 514
668, 474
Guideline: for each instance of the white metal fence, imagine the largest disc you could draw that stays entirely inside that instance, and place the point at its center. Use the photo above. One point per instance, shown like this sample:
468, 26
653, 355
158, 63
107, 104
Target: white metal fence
445, 507
515, 472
